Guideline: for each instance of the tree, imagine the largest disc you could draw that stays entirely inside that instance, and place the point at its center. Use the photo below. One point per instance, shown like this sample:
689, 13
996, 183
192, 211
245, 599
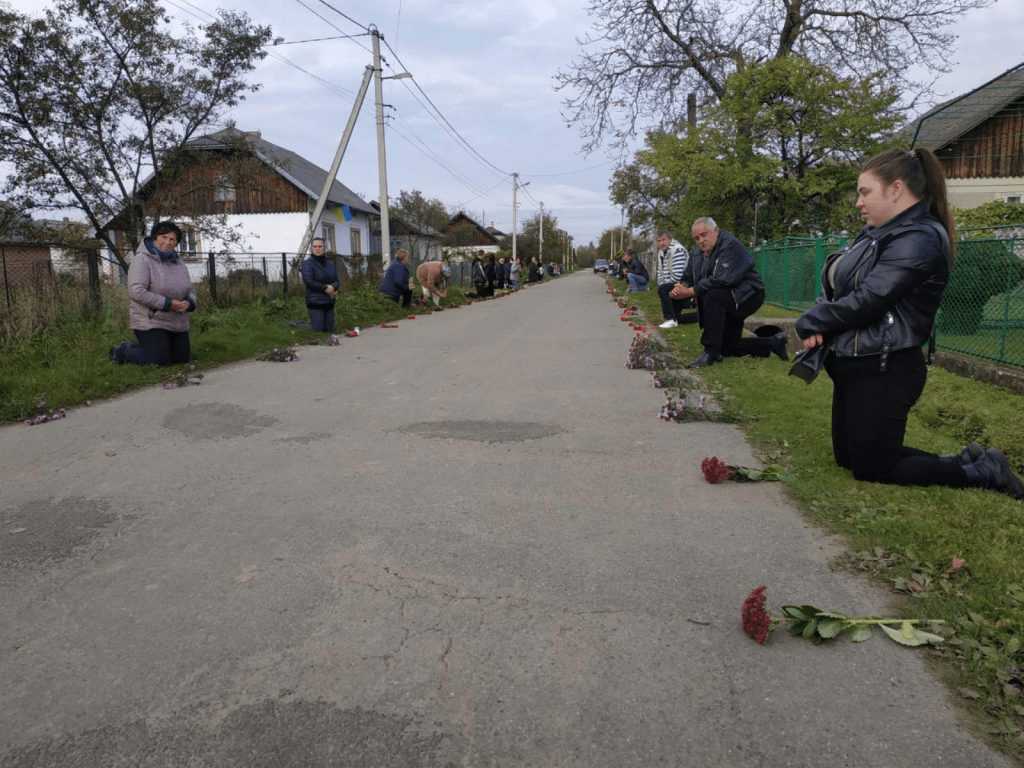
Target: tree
555, 239
642, 59
96, 96
783, 145
422, 216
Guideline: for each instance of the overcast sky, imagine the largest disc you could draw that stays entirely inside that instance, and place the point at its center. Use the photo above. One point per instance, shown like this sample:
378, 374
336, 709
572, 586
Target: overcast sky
487, 65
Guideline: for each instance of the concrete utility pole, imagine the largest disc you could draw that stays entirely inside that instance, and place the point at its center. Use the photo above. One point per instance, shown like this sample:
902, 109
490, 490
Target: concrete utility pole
515, 207
321, 201
382, 162
540, 246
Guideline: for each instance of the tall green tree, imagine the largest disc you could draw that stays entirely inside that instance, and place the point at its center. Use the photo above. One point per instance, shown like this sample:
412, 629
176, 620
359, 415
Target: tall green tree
779, 153
528, 239
429, 217
96, 96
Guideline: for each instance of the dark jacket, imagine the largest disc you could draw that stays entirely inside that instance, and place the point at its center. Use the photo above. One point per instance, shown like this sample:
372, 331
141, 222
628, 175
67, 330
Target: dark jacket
317, 273
490, 271
888, 285
396, 279
636, 267
477, 273
728, 266
534, 274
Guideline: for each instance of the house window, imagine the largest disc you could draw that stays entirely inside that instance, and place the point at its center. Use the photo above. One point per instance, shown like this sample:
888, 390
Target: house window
189, 247
330, 245
1014, 198
225, 190
356, 238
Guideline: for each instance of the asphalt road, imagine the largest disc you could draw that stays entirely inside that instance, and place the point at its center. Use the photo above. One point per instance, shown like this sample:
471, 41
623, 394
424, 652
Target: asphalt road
468, 541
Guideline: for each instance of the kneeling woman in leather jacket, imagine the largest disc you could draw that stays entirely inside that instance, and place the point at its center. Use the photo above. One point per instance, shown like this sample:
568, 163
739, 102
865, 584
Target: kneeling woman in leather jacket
876, 311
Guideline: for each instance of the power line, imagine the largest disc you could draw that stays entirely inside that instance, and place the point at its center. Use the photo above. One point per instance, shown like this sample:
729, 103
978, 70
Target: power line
445, 119
568, 173
317, 39
361, 26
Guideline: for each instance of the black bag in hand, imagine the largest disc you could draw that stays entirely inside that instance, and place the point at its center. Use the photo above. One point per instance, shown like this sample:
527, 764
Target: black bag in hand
809, 363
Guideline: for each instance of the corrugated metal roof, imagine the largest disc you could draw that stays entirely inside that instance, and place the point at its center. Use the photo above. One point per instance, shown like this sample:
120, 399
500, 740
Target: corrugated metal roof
948, 122
299, 171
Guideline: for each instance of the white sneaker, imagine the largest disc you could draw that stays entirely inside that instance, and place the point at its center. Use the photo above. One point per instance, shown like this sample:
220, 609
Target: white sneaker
669, 324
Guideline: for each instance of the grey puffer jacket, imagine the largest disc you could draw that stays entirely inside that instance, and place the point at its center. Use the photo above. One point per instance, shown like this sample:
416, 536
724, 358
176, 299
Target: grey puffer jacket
153, 282
885, 290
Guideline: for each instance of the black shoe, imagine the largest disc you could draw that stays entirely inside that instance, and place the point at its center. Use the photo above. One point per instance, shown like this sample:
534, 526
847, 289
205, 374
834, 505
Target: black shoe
780, 346
705, 360
970, 454
992, 471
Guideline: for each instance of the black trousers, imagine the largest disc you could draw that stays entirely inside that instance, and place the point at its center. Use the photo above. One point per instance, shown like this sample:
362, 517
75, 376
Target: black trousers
405, 297
672, 309
869, 421
156, 347
722, 322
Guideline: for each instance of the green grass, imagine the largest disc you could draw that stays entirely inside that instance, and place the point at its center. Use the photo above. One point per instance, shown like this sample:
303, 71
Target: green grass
906, 537
70, 364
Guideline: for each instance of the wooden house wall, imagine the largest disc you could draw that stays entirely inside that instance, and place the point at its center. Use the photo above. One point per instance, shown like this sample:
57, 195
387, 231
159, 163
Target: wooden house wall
479, 236
995, 149
256, 190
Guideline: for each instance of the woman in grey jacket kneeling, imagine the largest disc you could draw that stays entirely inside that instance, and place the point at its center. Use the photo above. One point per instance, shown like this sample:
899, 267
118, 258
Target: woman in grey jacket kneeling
162, 297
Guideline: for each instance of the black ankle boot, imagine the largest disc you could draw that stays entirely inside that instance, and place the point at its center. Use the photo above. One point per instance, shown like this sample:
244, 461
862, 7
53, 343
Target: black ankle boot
970, 454
992, 471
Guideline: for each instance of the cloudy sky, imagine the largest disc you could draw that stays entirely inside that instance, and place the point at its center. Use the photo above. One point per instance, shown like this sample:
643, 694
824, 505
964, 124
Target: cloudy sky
487, 66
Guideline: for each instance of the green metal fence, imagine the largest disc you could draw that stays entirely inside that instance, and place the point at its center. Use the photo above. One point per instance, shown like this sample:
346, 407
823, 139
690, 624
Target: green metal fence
982, 312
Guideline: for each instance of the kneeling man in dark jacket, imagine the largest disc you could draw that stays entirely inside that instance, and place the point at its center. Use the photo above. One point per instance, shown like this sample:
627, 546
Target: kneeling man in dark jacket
720, 274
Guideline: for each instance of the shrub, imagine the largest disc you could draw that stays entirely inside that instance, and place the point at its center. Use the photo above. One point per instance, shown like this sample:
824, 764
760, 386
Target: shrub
983, 269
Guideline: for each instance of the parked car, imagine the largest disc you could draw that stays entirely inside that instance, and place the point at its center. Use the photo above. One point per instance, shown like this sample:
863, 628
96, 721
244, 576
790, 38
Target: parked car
600, 265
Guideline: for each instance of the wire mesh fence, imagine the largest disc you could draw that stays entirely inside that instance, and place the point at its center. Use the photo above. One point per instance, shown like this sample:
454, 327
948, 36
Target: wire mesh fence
982, 311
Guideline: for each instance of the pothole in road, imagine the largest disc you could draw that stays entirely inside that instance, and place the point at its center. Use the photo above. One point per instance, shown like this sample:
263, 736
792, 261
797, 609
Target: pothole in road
50, 530
216, 421
481, 431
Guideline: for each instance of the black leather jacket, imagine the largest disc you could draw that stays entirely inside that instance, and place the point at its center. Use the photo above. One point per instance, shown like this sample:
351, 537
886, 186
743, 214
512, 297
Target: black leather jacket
729, 265
888, 285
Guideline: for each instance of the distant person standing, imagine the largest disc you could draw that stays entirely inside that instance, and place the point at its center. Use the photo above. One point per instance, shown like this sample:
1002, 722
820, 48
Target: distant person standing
478, 275
320, 277
161, 300
396, 284
514, 272
500, 274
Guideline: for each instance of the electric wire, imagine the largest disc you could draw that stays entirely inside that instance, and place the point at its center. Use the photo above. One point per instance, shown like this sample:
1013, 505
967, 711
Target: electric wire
441, 115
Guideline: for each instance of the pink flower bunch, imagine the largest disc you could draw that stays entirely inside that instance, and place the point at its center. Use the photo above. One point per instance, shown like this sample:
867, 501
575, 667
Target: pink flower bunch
45, 414
714, 470
757, 622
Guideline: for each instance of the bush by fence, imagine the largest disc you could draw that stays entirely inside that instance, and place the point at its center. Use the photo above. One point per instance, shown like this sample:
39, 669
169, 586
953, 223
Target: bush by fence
982, 312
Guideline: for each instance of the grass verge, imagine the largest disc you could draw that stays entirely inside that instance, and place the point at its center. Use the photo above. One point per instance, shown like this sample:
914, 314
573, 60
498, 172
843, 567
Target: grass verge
904, 537
69, 364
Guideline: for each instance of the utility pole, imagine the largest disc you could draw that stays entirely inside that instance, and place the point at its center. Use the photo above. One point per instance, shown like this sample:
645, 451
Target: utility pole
382, 162
515, 207
321, 201
540, 246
